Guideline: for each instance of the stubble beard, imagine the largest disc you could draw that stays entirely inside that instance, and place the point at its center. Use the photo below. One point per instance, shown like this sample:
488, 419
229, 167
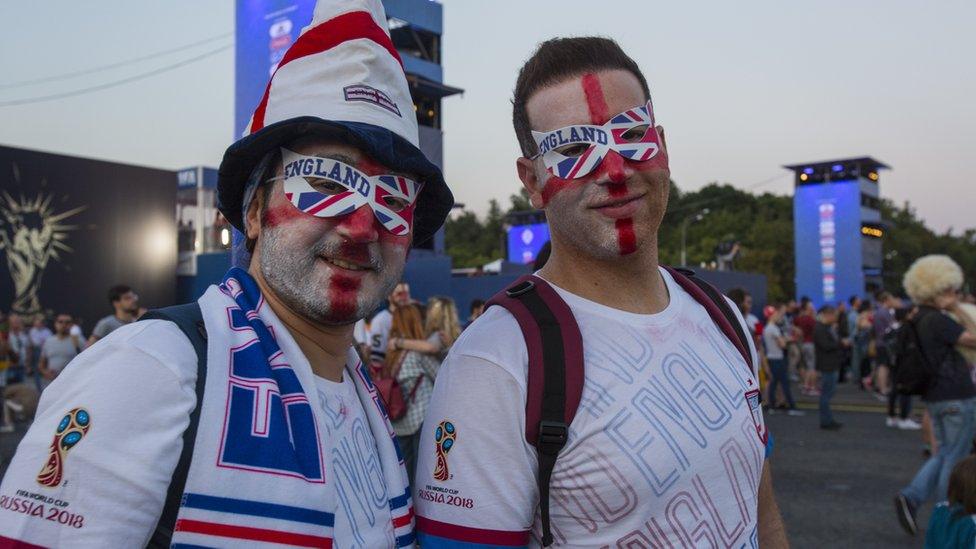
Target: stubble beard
294, 275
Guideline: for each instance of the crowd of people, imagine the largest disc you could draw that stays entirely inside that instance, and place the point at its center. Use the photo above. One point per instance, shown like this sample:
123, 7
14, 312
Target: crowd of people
870, 344
596, 403
407, 342
32, 355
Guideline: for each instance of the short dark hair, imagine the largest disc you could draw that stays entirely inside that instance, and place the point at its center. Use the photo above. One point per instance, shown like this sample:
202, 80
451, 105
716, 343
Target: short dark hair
557, 60
853, 300
962, 485
738, 296
826, 309
116, 292
476, 304
264, 171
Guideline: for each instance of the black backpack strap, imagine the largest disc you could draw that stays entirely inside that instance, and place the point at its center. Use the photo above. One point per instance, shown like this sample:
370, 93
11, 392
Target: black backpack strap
718, 309
189, 319
555, 377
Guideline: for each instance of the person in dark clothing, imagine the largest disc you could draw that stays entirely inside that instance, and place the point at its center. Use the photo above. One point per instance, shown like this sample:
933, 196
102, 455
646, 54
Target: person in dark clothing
901, 420
844, 335
829, 353
933, 282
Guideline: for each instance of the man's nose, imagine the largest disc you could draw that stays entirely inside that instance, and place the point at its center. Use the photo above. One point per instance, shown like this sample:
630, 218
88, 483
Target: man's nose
614, 168
359, 226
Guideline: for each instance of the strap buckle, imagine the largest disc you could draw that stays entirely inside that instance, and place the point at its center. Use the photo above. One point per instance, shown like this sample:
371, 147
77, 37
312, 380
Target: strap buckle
552, 436
522, 288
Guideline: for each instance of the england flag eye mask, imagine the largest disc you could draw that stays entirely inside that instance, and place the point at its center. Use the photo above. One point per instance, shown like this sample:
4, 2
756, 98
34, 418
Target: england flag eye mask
324, 187
575, 151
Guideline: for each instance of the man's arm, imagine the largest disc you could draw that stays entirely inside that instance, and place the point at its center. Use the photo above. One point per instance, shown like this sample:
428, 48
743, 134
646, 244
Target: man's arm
772, 531
42, 365
967, 339
479, 488
112, 482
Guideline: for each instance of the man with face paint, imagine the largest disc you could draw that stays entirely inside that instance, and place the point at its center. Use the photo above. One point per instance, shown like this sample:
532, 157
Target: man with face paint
666, 449
275, 435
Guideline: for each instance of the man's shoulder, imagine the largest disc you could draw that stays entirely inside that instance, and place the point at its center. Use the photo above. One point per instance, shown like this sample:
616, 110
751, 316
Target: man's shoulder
161, 341
495, 336
382, 317
107, 319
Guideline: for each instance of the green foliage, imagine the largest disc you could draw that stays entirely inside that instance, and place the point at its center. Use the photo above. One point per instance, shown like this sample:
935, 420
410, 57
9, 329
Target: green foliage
472, 242
763, 224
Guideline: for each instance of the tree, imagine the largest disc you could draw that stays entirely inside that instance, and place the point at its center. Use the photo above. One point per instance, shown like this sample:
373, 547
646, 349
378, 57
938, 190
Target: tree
763, 225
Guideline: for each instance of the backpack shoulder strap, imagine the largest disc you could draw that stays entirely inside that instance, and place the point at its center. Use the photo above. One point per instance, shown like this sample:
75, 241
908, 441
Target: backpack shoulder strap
189, 319
718, 309
555, 375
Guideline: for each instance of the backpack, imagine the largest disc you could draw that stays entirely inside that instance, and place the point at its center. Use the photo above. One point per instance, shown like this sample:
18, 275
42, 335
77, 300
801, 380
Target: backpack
912, 368
189, 319
555, 369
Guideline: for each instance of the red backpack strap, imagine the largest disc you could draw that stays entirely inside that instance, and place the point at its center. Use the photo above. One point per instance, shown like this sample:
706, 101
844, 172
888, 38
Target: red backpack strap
513, 299
555, 376
718, 309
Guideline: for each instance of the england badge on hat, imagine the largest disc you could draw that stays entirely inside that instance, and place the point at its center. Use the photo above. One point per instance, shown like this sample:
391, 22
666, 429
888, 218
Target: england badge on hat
342, 79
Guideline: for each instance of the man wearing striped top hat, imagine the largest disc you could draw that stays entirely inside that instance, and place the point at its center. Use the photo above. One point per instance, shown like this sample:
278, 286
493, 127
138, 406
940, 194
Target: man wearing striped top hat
247, 418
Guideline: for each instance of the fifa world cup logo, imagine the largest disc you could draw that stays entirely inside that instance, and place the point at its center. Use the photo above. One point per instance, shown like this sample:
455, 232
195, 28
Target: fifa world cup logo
73, 427
444, 437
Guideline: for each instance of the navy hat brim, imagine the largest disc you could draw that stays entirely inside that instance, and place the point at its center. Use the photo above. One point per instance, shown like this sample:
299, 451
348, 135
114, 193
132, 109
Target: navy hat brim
384, 146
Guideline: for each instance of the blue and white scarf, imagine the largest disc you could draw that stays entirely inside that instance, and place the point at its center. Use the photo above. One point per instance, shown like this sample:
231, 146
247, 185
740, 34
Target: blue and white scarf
258, 475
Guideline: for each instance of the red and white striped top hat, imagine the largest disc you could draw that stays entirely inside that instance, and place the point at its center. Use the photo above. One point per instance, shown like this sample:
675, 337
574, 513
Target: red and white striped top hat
343, 79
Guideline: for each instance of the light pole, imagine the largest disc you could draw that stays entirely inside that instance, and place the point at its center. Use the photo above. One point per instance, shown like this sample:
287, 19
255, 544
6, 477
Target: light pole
684, 233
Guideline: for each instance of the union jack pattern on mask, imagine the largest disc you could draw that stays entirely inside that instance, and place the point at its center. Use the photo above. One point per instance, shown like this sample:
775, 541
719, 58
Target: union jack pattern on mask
391, 197
600, 140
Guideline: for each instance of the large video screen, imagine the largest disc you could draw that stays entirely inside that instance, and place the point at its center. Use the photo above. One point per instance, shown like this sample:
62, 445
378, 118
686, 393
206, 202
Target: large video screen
827, 227
525, 241
265, 30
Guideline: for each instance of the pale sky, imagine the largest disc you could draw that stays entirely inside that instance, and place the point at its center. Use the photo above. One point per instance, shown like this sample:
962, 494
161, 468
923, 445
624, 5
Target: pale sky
741, 87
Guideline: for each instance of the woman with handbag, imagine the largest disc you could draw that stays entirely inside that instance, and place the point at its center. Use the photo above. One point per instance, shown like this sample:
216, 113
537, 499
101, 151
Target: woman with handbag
414, 374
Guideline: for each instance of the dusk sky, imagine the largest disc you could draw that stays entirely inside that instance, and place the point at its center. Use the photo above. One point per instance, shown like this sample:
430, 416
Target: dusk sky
741, 88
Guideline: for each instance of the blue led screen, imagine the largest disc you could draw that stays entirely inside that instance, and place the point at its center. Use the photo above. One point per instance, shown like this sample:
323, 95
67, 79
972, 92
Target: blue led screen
265, 30
827, 232
525, 241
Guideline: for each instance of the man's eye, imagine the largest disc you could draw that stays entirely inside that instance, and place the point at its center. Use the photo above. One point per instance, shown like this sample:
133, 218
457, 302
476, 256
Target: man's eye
635, 134
573, 151
394, 203
326, 186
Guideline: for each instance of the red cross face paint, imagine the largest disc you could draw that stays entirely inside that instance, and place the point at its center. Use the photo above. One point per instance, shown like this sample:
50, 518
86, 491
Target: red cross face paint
325, 187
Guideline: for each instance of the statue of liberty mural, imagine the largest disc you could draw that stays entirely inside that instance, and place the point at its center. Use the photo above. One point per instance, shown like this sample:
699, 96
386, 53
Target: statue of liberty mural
32, 233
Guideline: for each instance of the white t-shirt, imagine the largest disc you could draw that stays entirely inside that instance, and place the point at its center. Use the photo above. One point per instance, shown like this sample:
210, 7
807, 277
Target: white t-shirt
138, 386
360, 520
666, 448
359, 333
770, 333
379, 334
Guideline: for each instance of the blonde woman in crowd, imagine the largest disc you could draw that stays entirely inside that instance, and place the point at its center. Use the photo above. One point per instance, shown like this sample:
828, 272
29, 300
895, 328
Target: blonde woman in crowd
414, 354
933, 282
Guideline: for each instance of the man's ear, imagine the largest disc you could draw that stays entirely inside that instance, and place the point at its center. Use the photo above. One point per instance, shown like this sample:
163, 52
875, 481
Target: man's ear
664, 139
526, 172
253, 215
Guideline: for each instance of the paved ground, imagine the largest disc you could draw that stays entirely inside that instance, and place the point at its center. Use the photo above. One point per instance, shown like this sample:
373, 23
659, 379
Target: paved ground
835, 489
